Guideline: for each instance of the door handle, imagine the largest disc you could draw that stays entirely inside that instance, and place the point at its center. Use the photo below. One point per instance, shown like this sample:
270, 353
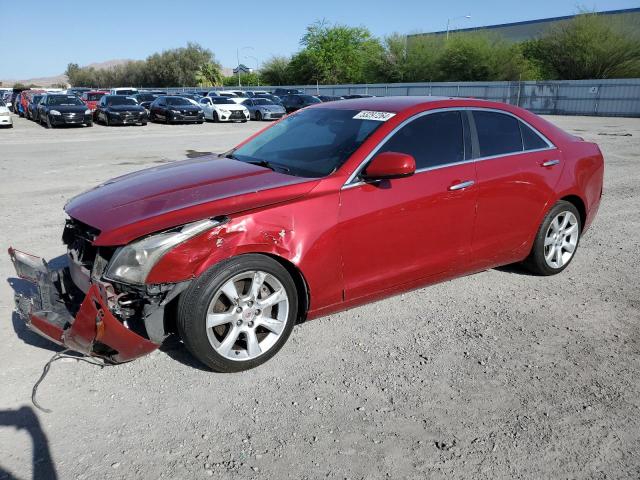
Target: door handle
550, 163
461, 186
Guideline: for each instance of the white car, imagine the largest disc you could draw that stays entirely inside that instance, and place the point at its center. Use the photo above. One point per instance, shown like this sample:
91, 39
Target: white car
237, 96
223, 109
5, 115
123, 91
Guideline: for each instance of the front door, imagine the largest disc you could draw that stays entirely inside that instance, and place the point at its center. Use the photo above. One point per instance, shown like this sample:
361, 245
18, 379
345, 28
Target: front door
399, 231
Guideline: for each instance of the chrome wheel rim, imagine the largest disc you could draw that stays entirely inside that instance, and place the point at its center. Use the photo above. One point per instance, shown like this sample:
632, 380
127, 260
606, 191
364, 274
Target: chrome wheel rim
247, 315
561, 239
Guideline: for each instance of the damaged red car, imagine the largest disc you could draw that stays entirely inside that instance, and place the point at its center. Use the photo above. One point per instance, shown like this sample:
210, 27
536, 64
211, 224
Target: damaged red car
336, 205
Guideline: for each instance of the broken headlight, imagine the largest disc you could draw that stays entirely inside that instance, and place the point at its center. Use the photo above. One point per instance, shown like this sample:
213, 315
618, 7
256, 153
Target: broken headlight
132, 263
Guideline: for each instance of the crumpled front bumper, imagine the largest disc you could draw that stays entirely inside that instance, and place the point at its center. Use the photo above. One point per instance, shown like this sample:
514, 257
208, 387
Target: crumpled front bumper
56, 310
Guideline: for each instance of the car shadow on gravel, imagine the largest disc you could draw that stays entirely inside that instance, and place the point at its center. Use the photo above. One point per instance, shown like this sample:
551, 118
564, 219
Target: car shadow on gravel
175, 349
25, 419
23, 287
515, 268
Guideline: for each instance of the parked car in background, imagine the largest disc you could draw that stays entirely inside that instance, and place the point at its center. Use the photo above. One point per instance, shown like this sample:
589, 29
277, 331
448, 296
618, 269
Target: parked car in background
57, 109
273, 98
170, 109
15, 99
120, 110
291, 103
144, 99
281, 92
329, 98
191, 96
253, 93
92, 97
223, 109
5, 115
123, 91
356, 95
32, 108
77, 91
264, 109
6, 98
337, 205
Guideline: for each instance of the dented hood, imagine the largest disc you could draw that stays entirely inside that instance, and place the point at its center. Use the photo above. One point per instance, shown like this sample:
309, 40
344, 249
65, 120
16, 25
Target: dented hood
158, 198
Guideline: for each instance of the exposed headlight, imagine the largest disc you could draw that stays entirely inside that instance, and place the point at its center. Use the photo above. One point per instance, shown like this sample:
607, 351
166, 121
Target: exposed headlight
132, 263
5, 114
87, 112
54, 112
175, 111
115, 114
224, 110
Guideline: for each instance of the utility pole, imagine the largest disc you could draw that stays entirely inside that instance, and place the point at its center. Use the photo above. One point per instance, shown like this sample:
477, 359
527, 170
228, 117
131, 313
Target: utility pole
455, 18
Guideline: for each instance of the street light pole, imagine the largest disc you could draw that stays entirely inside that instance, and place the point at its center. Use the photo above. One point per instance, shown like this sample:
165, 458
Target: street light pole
455, 18
238, 60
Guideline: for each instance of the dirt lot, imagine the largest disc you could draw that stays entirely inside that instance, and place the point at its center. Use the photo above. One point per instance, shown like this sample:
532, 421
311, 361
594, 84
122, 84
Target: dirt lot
496, 375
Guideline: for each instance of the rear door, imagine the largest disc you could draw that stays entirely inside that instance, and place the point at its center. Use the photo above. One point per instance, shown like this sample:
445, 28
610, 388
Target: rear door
395, 232
517, 170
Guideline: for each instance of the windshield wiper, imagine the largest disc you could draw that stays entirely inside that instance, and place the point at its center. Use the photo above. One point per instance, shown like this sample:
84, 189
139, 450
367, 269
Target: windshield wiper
260, 163
267, 164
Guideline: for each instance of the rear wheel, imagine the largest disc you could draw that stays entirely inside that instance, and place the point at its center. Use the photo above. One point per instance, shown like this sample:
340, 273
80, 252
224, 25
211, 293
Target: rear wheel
239, 314
258, 115
557, 240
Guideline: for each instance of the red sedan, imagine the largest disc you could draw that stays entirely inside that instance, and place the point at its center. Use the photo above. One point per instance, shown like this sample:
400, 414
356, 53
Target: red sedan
92, 97
337, 205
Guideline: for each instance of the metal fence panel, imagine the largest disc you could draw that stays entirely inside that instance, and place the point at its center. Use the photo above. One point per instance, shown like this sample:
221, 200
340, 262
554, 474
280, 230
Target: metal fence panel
617, 97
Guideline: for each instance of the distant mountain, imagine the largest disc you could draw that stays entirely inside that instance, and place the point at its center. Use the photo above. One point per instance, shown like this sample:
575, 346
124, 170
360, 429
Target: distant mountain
62, 78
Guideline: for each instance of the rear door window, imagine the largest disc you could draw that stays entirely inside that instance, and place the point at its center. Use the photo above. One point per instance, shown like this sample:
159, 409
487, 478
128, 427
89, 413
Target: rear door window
498, 133
433, 140
530, 139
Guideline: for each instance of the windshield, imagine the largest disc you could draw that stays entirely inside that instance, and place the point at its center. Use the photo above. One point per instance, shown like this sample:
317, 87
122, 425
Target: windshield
121, 100
36, 98
64, 100
222, 100
92, 97
310, 99
312, 143
262, 101
178, 101
145, 97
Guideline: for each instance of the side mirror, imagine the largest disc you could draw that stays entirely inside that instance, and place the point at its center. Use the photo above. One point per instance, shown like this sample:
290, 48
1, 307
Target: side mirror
389, 165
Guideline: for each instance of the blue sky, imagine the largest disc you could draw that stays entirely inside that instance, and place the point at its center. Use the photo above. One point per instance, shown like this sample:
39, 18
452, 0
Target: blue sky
39, 37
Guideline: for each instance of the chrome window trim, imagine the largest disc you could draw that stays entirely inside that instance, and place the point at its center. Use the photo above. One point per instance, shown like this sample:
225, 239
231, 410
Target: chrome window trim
351, 183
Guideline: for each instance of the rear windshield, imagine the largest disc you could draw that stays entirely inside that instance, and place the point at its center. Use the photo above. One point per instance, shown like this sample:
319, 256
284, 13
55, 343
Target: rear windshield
64, 100
126, 92
121, 100
92, 97
145, 97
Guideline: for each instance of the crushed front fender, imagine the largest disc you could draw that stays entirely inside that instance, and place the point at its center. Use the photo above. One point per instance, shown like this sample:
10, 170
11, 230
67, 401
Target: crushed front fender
59, 311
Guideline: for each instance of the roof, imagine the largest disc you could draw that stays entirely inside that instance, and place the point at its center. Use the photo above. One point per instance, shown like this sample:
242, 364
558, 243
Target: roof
382, 104
530, 28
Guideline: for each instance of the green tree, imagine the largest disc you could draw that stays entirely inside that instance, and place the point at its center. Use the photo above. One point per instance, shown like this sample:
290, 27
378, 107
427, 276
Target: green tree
209, 75
246, 79
587, 46
276, 71
334, 54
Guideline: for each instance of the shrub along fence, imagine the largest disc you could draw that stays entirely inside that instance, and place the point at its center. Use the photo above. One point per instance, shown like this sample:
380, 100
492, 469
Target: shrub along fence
618, 97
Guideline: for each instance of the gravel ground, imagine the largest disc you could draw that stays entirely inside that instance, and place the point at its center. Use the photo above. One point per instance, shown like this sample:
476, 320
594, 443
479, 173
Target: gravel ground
495, 375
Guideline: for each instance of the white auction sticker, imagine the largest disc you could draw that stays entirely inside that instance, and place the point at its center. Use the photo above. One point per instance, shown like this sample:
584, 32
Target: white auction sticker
370, 115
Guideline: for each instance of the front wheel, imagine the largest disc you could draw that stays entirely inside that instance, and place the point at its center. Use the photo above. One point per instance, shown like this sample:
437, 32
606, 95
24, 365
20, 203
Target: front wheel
258, 115
48, 123
238, 314
557, 240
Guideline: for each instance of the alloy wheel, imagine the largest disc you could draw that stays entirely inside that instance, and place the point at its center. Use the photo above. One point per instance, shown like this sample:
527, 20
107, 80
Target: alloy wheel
561, 239
247, 315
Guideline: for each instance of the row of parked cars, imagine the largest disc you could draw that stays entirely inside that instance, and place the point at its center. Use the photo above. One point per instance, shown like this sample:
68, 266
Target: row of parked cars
124, 106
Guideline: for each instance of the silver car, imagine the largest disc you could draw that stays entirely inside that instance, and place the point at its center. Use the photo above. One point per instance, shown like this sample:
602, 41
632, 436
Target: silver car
264, 109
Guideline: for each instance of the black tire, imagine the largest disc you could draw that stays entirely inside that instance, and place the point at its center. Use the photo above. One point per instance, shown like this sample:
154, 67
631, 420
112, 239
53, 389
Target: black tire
107, 122
90, 124
243, 121
216, 119
144, 124
258, 115
47, 122
200, 123
536, 261
194, 303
